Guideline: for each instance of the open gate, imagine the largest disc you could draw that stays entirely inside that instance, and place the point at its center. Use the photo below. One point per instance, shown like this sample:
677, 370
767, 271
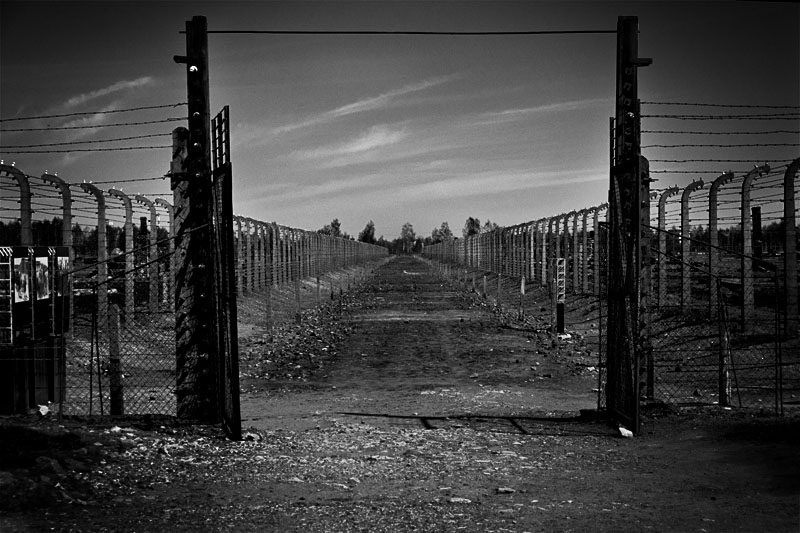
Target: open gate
225, 275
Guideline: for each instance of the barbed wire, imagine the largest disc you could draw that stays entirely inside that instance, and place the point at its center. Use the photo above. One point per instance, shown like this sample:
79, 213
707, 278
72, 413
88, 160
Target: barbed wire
101, 112
97, 126
694, 132
86, 142
123, 148
706, 161
740, 106
761, 116
746, 145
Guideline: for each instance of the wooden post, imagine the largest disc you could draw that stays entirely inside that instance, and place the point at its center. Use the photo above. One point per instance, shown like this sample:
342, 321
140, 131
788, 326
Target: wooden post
115, 363
627, 254
196, 361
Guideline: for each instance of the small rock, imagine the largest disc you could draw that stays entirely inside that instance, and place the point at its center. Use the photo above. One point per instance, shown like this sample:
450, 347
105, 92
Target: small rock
626, 433
505, 490
459, 500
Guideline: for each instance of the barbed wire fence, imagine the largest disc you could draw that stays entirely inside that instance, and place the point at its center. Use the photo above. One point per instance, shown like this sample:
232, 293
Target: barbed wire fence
119, 346
723, 322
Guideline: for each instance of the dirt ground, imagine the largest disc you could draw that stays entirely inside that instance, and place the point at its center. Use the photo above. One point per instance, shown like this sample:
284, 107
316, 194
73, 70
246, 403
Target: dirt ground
407, 404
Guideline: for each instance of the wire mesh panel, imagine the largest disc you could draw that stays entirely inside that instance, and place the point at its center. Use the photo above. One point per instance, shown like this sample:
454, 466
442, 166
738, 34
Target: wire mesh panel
702, 352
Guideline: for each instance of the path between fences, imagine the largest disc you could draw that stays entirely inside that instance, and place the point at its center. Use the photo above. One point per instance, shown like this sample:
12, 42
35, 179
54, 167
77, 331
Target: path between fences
416, 350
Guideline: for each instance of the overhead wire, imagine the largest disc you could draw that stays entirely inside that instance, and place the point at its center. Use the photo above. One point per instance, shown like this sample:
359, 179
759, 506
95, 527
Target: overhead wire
705, 104
125, 148
96, 126
98, 112
67, 143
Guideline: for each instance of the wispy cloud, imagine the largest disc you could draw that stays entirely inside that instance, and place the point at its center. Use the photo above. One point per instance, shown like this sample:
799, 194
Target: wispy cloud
371, 103
113, 88
376, 137
507, 115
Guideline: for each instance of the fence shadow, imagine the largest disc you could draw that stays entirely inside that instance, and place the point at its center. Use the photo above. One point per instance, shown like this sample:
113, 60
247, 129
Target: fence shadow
585, 424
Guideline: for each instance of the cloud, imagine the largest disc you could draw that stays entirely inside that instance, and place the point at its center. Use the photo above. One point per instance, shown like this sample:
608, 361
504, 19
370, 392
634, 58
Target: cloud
372, 103
113, 88
507, 115
375, 137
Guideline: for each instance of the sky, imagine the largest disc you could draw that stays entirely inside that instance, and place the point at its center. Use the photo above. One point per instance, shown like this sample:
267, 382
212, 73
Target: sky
396, 128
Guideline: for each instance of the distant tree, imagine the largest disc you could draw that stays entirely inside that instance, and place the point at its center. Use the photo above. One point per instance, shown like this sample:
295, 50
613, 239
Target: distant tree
442, 233
368, 233
471, 227
408, 237
334, 229
489, 226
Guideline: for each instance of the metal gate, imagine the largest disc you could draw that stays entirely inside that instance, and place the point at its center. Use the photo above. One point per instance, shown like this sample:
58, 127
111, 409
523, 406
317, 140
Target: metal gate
225, 276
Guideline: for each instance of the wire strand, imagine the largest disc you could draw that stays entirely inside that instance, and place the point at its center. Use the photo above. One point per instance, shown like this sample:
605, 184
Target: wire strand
86, 142
380, 32
740, 106
87, 150
113, 125
93, 112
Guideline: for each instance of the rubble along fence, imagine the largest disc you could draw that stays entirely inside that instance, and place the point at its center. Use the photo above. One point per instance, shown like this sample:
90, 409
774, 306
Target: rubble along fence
119, 319
722, 325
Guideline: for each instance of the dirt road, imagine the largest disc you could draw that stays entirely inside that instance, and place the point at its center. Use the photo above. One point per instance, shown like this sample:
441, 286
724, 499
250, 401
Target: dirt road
411, 405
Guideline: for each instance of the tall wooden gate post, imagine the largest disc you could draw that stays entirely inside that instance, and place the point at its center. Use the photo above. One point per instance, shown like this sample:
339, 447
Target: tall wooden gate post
628, 216
196, 358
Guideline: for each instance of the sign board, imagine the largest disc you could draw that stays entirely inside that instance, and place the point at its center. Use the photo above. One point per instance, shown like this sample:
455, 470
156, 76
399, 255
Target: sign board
34, 292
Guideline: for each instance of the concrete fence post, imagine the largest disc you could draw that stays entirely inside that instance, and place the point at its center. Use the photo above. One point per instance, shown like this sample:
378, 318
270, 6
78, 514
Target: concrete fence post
686, 244
792, 319
170, 249
714, 256
152, 253
129, 253
240, 286
748, 289
25, 212
102, 256
66, 232
576, 253
117, 393
662, 244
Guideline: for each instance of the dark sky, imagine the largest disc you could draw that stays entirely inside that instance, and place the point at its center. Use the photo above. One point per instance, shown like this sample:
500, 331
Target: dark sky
422, 129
